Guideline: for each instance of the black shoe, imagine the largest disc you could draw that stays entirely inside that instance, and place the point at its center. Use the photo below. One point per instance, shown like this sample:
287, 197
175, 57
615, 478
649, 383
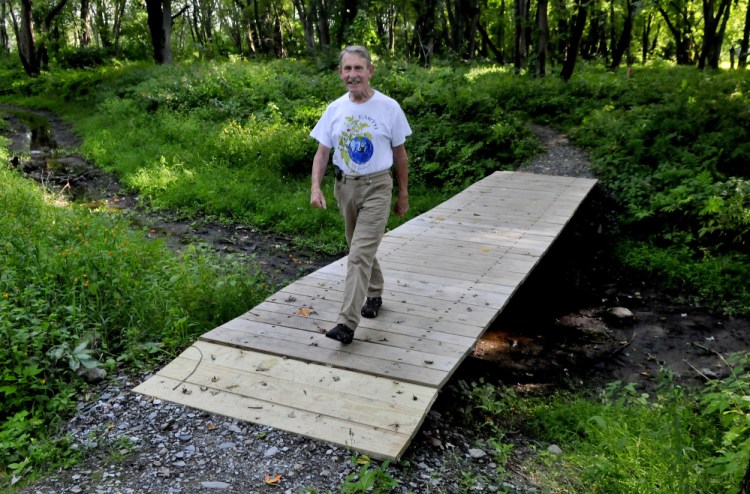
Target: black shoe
370, 309
342, 333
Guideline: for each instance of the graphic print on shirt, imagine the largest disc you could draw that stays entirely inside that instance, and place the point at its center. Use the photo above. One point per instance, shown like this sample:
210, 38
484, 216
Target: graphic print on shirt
355, 144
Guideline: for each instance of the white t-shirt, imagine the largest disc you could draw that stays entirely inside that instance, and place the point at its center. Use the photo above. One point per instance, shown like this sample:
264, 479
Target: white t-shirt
362, 136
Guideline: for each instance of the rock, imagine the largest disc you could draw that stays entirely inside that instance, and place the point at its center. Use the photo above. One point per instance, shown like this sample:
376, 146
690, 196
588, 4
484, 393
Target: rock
709, 373
477, 453
554, 449
271, 451
94, 375
620, 315
215, 485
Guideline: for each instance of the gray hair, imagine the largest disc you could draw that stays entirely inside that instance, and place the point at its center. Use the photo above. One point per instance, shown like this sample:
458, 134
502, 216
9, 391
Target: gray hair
356, 50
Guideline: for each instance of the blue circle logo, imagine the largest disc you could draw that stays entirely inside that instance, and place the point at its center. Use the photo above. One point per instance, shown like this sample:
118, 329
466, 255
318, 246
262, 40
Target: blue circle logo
360, 149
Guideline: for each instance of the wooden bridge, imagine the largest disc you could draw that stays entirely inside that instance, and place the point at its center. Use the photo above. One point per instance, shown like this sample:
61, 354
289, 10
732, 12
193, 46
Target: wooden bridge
449, 273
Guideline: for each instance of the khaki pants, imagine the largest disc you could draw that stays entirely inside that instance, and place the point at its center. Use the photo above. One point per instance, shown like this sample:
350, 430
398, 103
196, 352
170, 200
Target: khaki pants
365, 204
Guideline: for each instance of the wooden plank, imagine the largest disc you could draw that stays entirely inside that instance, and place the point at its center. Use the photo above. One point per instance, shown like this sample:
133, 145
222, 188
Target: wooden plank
299, 301
423, 288
310, 400
277, 341
311, 290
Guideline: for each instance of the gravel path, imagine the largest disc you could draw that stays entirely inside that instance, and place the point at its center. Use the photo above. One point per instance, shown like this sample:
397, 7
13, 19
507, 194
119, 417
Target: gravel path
133, 444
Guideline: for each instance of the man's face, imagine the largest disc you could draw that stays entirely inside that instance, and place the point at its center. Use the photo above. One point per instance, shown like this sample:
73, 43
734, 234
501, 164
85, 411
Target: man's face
355, 73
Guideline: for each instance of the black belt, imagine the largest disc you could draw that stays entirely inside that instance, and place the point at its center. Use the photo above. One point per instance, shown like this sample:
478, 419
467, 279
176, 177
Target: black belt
340, 175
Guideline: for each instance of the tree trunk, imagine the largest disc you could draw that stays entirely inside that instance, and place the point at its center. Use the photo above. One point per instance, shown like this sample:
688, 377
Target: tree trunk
424, 30
646, 38
85, 34
160, 26
306, 14
519, 47
623, 43
560, 42
324, 27
542, 23
26, 41
4, 38
349, 10
575, 40
713, 34
745, 43
683, 37
486, 38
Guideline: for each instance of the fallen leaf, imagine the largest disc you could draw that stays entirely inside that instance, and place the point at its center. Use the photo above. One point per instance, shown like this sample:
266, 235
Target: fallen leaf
306, 311
485, 249
210, 426
273, 480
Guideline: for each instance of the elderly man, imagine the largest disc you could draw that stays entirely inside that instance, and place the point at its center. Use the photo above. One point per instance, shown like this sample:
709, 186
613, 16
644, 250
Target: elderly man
366, 131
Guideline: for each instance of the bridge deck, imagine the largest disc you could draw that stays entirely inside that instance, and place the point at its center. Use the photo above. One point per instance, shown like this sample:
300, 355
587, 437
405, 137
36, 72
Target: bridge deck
449, 273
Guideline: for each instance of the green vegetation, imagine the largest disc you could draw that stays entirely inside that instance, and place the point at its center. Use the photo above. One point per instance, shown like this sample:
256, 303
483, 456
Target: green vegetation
78, 289
82, 288
623, 440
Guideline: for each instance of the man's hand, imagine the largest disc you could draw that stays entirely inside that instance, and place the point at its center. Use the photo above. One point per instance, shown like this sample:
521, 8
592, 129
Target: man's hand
320, 162
317, 199
401, 206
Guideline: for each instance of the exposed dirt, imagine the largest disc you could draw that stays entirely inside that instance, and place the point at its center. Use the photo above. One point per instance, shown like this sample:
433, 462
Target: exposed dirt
568, 325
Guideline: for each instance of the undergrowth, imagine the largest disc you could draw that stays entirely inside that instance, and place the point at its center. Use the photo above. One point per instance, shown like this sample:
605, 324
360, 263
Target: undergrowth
675, 440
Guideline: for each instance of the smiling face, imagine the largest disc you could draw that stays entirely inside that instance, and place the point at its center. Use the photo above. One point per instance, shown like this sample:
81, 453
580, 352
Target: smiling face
355, 72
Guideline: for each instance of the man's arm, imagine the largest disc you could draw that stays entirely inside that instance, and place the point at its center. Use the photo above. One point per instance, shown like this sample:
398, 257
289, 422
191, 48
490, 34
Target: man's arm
320, 163
401, 164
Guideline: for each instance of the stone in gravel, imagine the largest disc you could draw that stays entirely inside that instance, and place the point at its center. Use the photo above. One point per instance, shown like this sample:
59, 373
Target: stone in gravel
215, 485
227, 445
179, 463
235, 429
186, 437
477, 453
94, 375
76, 489
554, 449
271, 451
620, 315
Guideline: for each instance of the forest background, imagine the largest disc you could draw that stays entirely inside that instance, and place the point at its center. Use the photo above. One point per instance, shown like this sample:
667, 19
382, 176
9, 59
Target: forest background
204, 107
